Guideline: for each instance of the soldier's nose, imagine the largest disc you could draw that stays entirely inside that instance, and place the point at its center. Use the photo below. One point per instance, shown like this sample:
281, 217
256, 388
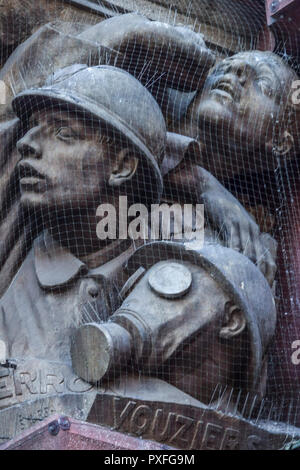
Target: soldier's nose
29, 145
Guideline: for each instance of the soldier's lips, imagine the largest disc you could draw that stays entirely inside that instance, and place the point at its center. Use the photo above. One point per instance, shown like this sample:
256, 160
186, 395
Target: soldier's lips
226, 90
223, 94
33, 183
30, 178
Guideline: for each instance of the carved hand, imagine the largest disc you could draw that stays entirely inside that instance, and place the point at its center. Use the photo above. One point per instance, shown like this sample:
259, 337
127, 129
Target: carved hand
236, 227
151, 50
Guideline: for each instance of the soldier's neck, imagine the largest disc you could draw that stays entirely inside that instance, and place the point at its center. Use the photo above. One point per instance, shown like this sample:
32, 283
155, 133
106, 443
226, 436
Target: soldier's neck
77, 232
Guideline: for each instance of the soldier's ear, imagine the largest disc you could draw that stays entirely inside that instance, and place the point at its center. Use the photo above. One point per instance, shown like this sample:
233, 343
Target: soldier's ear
234, 324
284, 144
124, 167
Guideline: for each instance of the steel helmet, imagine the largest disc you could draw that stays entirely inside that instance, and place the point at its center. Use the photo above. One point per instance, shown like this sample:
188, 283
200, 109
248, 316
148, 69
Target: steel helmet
114, 97
239, 278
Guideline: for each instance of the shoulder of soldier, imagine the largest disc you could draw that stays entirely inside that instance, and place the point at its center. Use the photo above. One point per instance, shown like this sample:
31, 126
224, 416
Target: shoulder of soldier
24, 276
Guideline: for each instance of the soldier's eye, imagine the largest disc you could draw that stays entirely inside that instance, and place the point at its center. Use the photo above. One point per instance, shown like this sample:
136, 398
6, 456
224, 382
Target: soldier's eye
65, 133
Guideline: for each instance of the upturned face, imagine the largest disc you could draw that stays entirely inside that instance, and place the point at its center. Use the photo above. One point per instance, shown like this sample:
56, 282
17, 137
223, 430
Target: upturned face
244, 100
64, 162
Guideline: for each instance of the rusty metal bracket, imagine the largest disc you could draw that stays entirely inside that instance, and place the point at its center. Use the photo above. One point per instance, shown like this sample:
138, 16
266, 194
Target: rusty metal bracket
278, 9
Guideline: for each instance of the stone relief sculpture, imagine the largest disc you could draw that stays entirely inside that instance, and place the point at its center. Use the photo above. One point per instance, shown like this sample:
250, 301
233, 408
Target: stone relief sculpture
213, 327
164, 318
66, 191
95, 124
117, 41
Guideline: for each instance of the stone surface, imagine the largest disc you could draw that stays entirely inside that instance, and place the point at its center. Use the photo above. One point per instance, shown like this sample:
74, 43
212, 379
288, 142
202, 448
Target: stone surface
137, 410
189, 425
20, 19
195, 332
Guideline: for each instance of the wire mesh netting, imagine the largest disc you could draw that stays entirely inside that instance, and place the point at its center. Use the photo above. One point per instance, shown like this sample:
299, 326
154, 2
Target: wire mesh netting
111, 114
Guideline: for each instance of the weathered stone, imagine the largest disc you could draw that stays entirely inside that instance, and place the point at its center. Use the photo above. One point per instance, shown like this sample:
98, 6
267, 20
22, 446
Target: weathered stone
189, 319
20, 19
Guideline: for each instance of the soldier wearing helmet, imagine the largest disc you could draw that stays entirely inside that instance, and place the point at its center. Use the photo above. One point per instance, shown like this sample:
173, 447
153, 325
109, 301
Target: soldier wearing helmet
96, 134
198, 319
93, 134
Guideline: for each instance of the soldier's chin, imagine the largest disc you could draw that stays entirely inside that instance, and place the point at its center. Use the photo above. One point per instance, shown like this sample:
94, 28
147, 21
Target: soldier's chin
32, 200
215, 111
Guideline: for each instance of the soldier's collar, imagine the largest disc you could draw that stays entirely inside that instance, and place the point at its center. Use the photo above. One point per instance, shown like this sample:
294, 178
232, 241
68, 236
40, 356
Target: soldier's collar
55, 266
179, 148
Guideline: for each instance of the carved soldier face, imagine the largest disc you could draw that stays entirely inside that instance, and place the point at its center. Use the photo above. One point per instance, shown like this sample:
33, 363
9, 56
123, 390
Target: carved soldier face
218, 351
67, 163
244, 103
